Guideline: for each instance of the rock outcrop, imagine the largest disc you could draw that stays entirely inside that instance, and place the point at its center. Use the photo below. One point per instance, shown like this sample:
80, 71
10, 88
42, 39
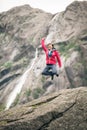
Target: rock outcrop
72, 23
63, 110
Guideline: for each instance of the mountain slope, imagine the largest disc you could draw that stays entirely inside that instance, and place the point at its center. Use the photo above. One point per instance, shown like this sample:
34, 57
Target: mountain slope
21, 30
71, 23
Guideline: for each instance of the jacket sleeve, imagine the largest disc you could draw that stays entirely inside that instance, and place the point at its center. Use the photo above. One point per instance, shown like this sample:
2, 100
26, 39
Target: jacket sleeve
58, 59
43, 45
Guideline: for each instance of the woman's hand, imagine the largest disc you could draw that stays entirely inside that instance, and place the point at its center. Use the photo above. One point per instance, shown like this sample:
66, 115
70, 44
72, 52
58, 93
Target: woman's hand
43, 38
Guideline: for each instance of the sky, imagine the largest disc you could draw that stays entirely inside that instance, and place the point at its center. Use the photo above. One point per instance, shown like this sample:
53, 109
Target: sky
52, 6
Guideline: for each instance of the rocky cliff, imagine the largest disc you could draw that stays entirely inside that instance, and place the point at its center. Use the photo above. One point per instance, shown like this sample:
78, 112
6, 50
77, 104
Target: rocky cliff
71, 23
66, 110
21, 30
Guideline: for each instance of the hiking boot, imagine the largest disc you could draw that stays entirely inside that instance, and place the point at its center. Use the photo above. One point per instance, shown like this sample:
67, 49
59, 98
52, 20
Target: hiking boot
52, 77
57, 75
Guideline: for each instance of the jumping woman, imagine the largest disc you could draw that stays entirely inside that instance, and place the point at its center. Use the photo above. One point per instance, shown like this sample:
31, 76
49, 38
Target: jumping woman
52, 58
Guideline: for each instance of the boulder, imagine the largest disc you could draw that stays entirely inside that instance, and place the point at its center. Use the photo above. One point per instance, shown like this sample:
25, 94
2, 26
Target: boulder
63, 110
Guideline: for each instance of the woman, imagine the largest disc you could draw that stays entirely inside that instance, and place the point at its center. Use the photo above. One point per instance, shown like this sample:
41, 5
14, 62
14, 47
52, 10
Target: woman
52, 57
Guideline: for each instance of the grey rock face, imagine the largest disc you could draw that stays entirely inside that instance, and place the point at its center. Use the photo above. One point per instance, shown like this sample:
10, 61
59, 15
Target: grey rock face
62, 110
21, 29
71, 23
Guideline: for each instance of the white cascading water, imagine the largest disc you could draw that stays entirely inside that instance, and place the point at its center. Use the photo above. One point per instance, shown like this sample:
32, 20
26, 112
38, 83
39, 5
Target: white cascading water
20, 84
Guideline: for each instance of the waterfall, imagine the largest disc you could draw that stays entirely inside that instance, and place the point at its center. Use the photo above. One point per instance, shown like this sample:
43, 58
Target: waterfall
20, 83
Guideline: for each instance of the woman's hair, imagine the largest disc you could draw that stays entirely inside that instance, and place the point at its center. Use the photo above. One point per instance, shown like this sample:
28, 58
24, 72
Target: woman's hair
51, 44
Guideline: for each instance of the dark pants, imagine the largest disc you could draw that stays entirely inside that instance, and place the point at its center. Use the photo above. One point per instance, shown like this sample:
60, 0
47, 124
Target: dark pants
50, 70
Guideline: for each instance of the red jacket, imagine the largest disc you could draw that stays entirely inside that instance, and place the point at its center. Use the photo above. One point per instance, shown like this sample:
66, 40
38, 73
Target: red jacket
55, 55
